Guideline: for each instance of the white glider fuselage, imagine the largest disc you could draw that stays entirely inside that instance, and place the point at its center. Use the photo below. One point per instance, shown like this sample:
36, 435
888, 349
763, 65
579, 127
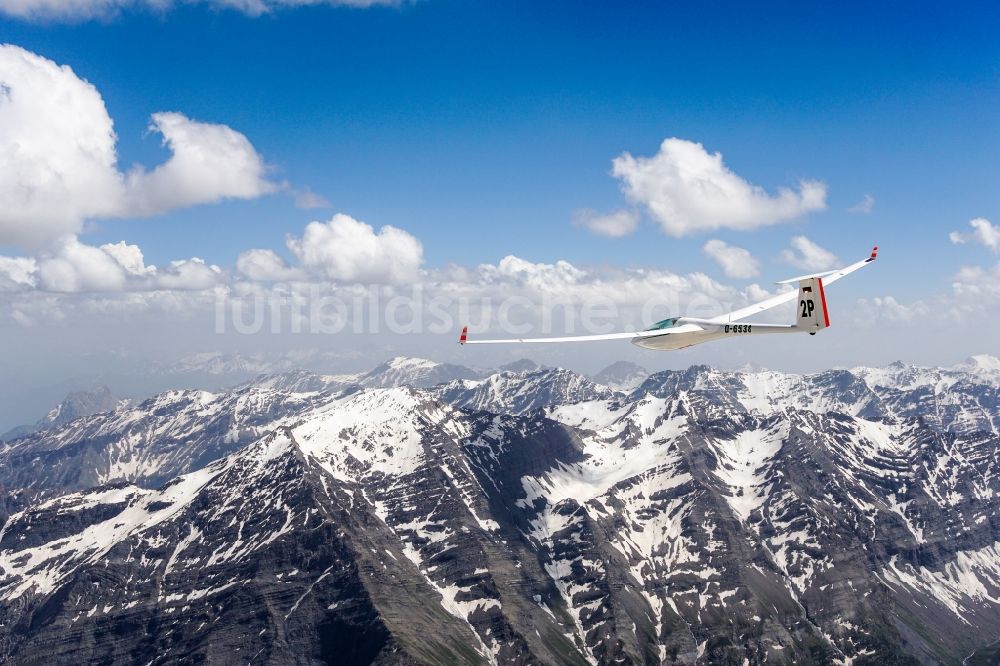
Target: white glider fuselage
693, 334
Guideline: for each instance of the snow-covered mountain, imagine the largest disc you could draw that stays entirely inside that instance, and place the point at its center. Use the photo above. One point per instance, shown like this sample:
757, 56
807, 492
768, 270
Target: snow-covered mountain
414, 372
523, 517
398, 371
518, 392
622, 376
74, 405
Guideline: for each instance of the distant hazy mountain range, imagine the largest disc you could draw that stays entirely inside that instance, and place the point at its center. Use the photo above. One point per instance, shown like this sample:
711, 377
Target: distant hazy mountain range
75, 405
431, 513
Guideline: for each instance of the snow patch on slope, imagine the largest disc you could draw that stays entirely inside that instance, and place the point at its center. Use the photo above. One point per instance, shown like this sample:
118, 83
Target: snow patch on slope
375, 431
972, 578
743, 466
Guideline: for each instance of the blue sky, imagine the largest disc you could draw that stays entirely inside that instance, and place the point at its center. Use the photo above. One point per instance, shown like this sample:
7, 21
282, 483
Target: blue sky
481, 128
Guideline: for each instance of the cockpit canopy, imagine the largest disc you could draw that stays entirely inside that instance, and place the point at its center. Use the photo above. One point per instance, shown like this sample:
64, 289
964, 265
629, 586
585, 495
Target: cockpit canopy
666, 323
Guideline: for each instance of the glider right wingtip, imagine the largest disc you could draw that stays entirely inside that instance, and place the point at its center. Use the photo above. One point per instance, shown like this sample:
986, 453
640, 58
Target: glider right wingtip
465, 335
874, 254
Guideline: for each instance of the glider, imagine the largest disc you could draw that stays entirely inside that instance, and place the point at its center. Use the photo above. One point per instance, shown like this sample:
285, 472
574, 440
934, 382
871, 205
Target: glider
812, 316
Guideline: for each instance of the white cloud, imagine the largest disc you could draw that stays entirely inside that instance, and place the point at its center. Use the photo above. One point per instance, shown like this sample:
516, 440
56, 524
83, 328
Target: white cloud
189, 274
17, 273
208, 163
343, 250
347, 250
59, 166
983, 233
70, 266
548, 297
79, 10
74, 266
266, 266
614, 225
736, 262
688, 190
863, 207
809, 256
57, 150
980, 284
72, 281
886, 310
129, 257
636, 296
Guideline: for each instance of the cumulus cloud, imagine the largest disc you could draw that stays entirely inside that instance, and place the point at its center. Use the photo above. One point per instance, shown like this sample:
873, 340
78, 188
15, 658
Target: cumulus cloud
17, 273
129, 257
208, 163
982, 232
74, 266
343, 250
77, 281
347, 250
736, 262
72, 281
57, 150
863, 207
688, 190
973, 297
189, 274
977, 283
635, 296
266, 266
613, 225
547, 297
59, 165
79, 10
883, 310
70, 266
809, 256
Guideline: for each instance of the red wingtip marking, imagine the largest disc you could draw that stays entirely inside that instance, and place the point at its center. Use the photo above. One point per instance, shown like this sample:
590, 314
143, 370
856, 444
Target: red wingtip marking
822, 299
465, 335
875, 252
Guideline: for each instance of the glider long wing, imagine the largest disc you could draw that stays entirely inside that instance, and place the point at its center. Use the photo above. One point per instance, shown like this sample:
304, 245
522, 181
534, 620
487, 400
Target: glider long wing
577, 338
828, 277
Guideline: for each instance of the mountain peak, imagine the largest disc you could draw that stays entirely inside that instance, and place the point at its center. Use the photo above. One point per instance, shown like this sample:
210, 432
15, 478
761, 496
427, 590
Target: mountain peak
75, 405
520, 365
982, 362
410, 363
415, 372
622, 375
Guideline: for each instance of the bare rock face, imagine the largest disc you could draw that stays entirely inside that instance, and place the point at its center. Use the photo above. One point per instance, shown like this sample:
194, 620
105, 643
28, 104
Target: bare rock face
527, 517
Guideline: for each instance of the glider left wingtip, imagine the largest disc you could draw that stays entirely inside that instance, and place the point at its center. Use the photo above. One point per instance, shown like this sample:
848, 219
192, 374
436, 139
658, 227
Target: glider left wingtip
465, 335
874, 254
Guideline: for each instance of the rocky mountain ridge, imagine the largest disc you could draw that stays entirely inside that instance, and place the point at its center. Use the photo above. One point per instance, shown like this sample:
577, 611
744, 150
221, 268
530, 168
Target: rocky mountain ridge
521, 517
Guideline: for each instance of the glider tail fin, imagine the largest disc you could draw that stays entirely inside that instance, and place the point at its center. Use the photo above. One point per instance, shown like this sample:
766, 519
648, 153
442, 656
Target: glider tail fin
812, 312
